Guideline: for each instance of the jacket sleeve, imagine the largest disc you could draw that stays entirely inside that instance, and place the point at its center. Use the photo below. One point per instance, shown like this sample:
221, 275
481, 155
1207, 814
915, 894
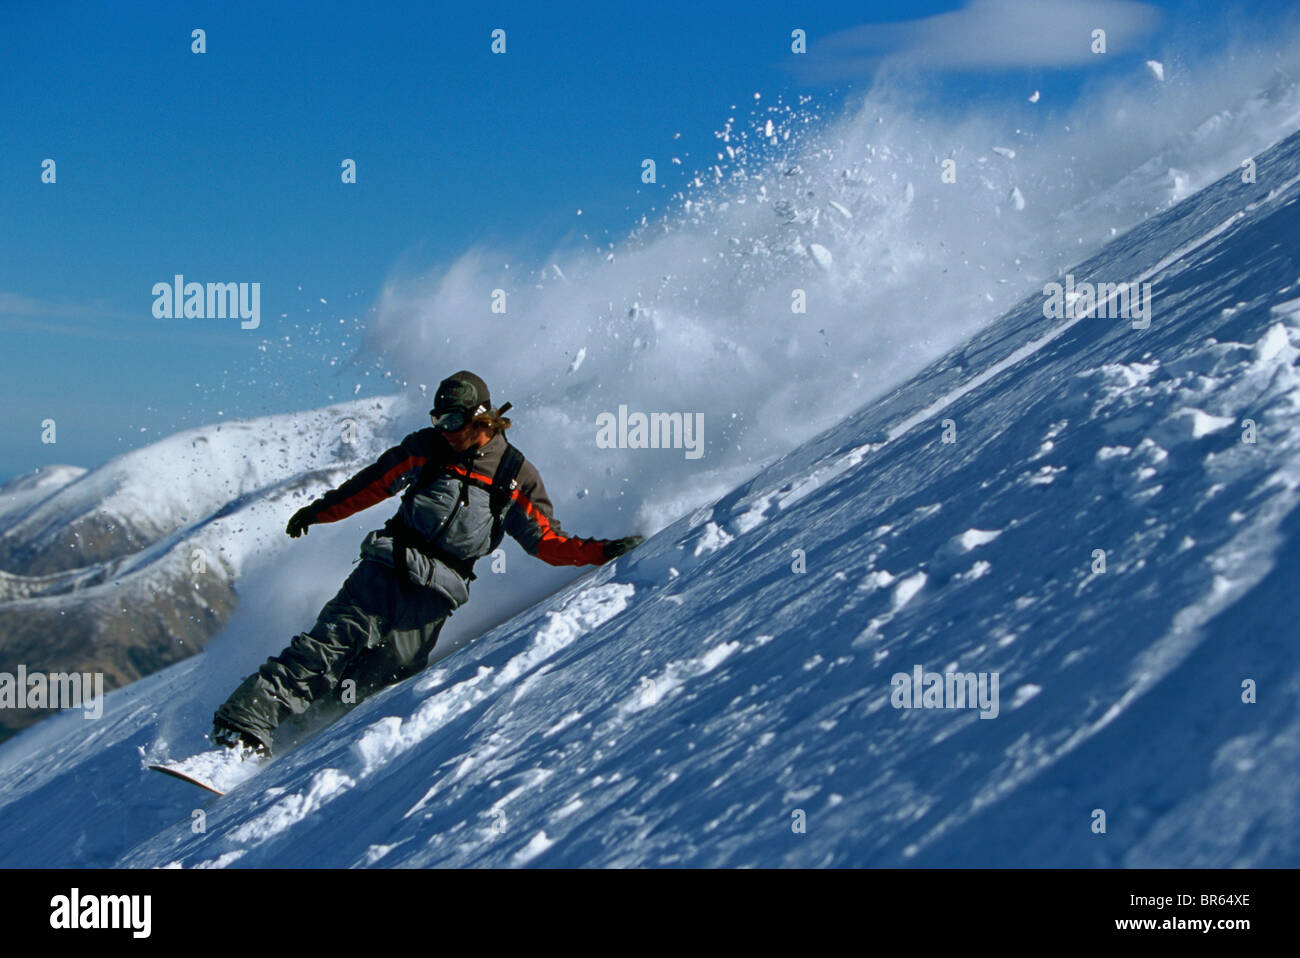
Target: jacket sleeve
531, 523
384, 477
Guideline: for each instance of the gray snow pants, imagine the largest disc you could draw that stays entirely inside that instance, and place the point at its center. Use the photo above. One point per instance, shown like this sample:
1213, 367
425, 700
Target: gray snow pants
372, 632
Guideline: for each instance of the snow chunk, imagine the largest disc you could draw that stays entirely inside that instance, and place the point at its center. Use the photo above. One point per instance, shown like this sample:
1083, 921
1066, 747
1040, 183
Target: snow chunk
751, 518
1157, 69
375, 852
1024, 694
1203, 423
713, 538
907, 588
536, 845
877, 579
1194, 423
1045, 476
1130, 374
1152, 451
569, 809
1272, 343
653, 691
973, 538
821, 255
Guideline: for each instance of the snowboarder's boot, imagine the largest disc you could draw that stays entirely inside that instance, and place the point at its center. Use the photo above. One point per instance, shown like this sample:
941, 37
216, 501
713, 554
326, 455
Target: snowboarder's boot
227, 736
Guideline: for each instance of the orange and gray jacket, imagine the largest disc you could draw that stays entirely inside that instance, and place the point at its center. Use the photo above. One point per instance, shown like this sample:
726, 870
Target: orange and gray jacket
450, 512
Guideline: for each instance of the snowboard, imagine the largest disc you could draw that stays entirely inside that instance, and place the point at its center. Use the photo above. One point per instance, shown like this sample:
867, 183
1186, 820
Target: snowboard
218, 770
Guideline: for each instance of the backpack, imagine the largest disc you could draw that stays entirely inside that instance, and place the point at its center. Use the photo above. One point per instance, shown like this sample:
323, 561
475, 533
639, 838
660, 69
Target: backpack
504, 482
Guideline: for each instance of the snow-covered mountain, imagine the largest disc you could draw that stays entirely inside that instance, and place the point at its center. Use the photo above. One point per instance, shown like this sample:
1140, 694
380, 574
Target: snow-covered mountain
133, 565
1096, 514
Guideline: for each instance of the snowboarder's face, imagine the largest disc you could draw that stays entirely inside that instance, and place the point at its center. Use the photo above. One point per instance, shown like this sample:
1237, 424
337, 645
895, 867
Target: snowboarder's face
470, 436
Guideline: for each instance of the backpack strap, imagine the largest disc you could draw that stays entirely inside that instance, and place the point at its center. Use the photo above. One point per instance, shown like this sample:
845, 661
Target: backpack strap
427, 474
504, 482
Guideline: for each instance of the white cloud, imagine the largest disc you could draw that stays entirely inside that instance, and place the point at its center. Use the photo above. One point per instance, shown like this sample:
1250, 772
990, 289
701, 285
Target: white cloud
993, 34
20, 314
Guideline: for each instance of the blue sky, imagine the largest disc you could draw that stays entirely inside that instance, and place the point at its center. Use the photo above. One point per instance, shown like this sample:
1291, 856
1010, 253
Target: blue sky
225, 167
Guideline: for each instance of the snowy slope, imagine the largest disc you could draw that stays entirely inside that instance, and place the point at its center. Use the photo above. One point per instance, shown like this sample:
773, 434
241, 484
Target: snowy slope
686, 704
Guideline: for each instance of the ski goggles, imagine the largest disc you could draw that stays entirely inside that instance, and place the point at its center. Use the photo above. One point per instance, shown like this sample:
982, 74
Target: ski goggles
454, 420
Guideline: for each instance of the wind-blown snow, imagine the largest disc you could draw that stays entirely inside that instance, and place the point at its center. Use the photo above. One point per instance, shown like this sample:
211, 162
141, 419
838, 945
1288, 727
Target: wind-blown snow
693, 311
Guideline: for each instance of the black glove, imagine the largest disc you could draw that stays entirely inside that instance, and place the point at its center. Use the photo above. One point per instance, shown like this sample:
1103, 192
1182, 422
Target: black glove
301, 520
616, 547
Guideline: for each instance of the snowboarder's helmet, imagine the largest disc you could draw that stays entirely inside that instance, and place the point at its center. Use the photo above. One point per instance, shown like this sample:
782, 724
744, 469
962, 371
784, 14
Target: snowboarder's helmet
460, 397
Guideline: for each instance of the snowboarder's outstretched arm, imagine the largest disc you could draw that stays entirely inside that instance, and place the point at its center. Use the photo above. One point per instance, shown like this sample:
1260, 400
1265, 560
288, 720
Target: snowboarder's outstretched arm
531, 522
385, 477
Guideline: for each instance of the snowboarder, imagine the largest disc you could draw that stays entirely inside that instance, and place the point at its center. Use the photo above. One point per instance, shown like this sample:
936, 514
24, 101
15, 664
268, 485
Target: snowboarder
465, 487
